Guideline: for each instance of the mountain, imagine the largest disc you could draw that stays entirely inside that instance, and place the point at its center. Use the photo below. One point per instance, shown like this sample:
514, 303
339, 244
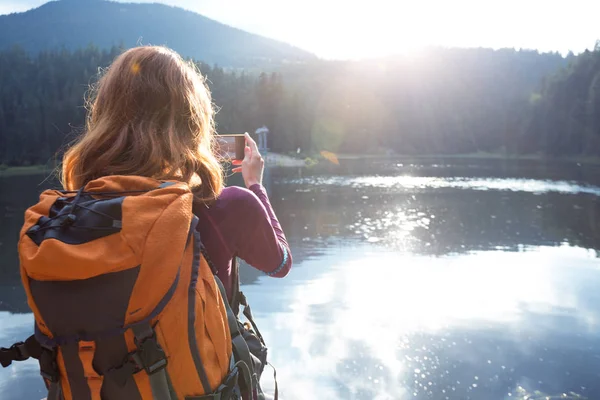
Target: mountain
74, 24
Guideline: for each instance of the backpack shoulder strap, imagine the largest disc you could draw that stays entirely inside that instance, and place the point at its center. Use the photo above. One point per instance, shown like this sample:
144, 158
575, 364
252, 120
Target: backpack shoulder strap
157, 373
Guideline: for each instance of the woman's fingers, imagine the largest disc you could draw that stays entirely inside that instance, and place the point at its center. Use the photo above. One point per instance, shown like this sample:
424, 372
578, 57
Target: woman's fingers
236, 162
252, 144
237, 169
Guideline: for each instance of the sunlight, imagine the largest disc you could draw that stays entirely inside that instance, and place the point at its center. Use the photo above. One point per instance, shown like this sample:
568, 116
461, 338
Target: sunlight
367, 30
359, 29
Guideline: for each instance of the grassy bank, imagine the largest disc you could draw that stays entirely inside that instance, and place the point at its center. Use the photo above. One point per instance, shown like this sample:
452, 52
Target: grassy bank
25, 170
282, 160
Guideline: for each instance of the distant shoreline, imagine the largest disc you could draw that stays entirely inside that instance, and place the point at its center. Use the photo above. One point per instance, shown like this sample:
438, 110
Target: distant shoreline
281, 160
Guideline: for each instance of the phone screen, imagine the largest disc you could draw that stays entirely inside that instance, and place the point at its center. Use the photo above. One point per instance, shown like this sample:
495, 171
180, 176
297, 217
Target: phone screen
231, 146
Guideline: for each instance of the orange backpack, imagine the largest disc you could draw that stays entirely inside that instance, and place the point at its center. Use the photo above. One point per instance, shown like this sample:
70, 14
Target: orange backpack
126, 304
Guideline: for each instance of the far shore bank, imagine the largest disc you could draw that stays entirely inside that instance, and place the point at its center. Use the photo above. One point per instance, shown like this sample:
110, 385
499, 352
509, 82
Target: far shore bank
25, 170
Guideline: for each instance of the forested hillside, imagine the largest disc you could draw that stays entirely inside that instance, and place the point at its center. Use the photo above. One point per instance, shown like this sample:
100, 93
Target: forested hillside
565, 114
444, 101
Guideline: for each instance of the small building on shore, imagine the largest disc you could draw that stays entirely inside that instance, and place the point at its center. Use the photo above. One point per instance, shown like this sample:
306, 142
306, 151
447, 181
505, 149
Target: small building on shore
262, 138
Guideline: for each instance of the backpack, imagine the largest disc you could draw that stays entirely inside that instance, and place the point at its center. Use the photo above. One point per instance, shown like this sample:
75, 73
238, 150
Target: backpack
126, 302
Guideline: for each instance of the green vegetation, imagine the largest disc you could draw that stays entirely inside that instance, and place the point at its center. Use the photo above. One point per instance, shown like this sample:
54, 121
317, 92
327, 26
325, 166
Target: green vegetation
566, 118
310, 162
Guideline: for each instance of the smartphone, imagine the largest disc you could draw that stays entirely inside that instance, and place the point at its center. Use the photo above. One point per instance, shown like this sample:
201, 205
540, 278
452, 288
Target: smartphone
232, 145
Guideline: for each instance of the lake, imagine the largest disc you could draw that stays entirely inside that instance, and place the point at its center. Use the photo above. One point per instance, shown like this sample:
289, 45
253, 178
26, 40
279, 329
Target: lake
413, 279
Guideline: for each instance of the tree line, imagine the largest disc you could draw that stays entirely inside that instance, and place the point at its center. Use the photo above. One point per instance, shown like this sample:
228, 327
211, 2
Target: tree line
440, 101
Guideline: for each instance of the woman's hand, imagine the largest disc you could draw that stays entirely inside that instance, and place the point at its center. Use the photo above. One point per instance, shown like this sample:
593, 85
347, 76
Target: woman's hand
252, 165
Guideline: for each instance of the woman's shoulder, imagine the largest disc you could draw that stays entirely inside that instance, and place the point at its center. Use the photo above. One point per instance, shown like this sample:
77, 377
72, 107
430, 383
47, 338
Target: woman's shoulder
238, 196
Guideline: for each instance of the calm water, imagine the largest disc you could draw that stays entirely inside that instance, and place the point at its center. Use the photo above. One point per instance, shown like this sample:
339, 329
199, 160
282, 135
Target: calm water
412, 280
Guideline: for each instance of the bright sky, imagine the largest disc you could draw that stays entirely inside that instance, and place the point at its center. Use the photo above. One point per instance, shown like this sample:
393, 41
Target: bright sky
361, 28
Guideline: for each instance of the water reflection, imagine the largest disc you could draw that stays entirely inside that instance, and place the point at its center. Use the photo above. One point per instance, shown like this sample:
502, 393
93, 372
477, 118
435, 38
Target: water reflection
379, 325
371, 324
438, 221
413, 280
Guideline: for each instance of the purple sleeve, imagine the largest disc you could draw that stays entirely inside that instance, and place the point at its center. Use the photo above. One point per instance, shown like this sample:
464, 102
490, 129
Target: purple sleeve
263, 245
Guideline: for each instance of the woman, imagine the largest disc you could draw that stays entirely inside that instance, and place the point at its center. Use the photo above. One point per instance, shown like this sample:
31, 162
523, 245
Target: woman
152, 116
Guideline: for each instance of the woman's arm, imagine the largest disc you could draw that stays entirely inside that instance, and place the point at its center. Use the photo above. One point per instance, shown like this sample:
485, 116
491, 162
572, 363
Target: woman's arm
263, 245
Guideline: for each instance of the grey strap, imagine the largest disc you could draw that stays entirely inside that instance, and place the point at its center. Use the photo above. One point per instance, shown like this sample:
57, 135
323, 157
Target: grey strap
248, 375
49, 371
213, 396
275, 379
239, 344
160, 385
54, 391
235, 270
157, 373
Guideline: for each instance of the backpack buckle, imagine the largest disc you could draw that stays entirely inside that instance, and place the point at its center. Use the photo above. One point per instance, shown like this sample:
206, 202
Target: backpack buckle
21, 351
150, 356
16, 352
229, 384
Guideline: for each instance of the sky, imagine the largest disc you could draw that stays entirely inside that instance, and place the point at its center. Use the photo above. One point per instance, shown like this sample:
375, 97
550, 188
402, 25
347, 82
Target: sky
370, 28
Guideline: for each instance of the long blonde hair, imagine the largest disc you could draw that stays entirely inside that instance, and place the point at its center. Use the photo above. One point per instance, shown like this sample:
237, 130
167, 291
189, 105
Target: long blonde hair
150, 114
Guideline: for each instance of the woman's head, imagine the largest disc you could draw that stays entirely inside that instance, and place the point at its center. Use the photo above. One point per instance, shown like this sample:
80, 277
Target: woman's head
150, 114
